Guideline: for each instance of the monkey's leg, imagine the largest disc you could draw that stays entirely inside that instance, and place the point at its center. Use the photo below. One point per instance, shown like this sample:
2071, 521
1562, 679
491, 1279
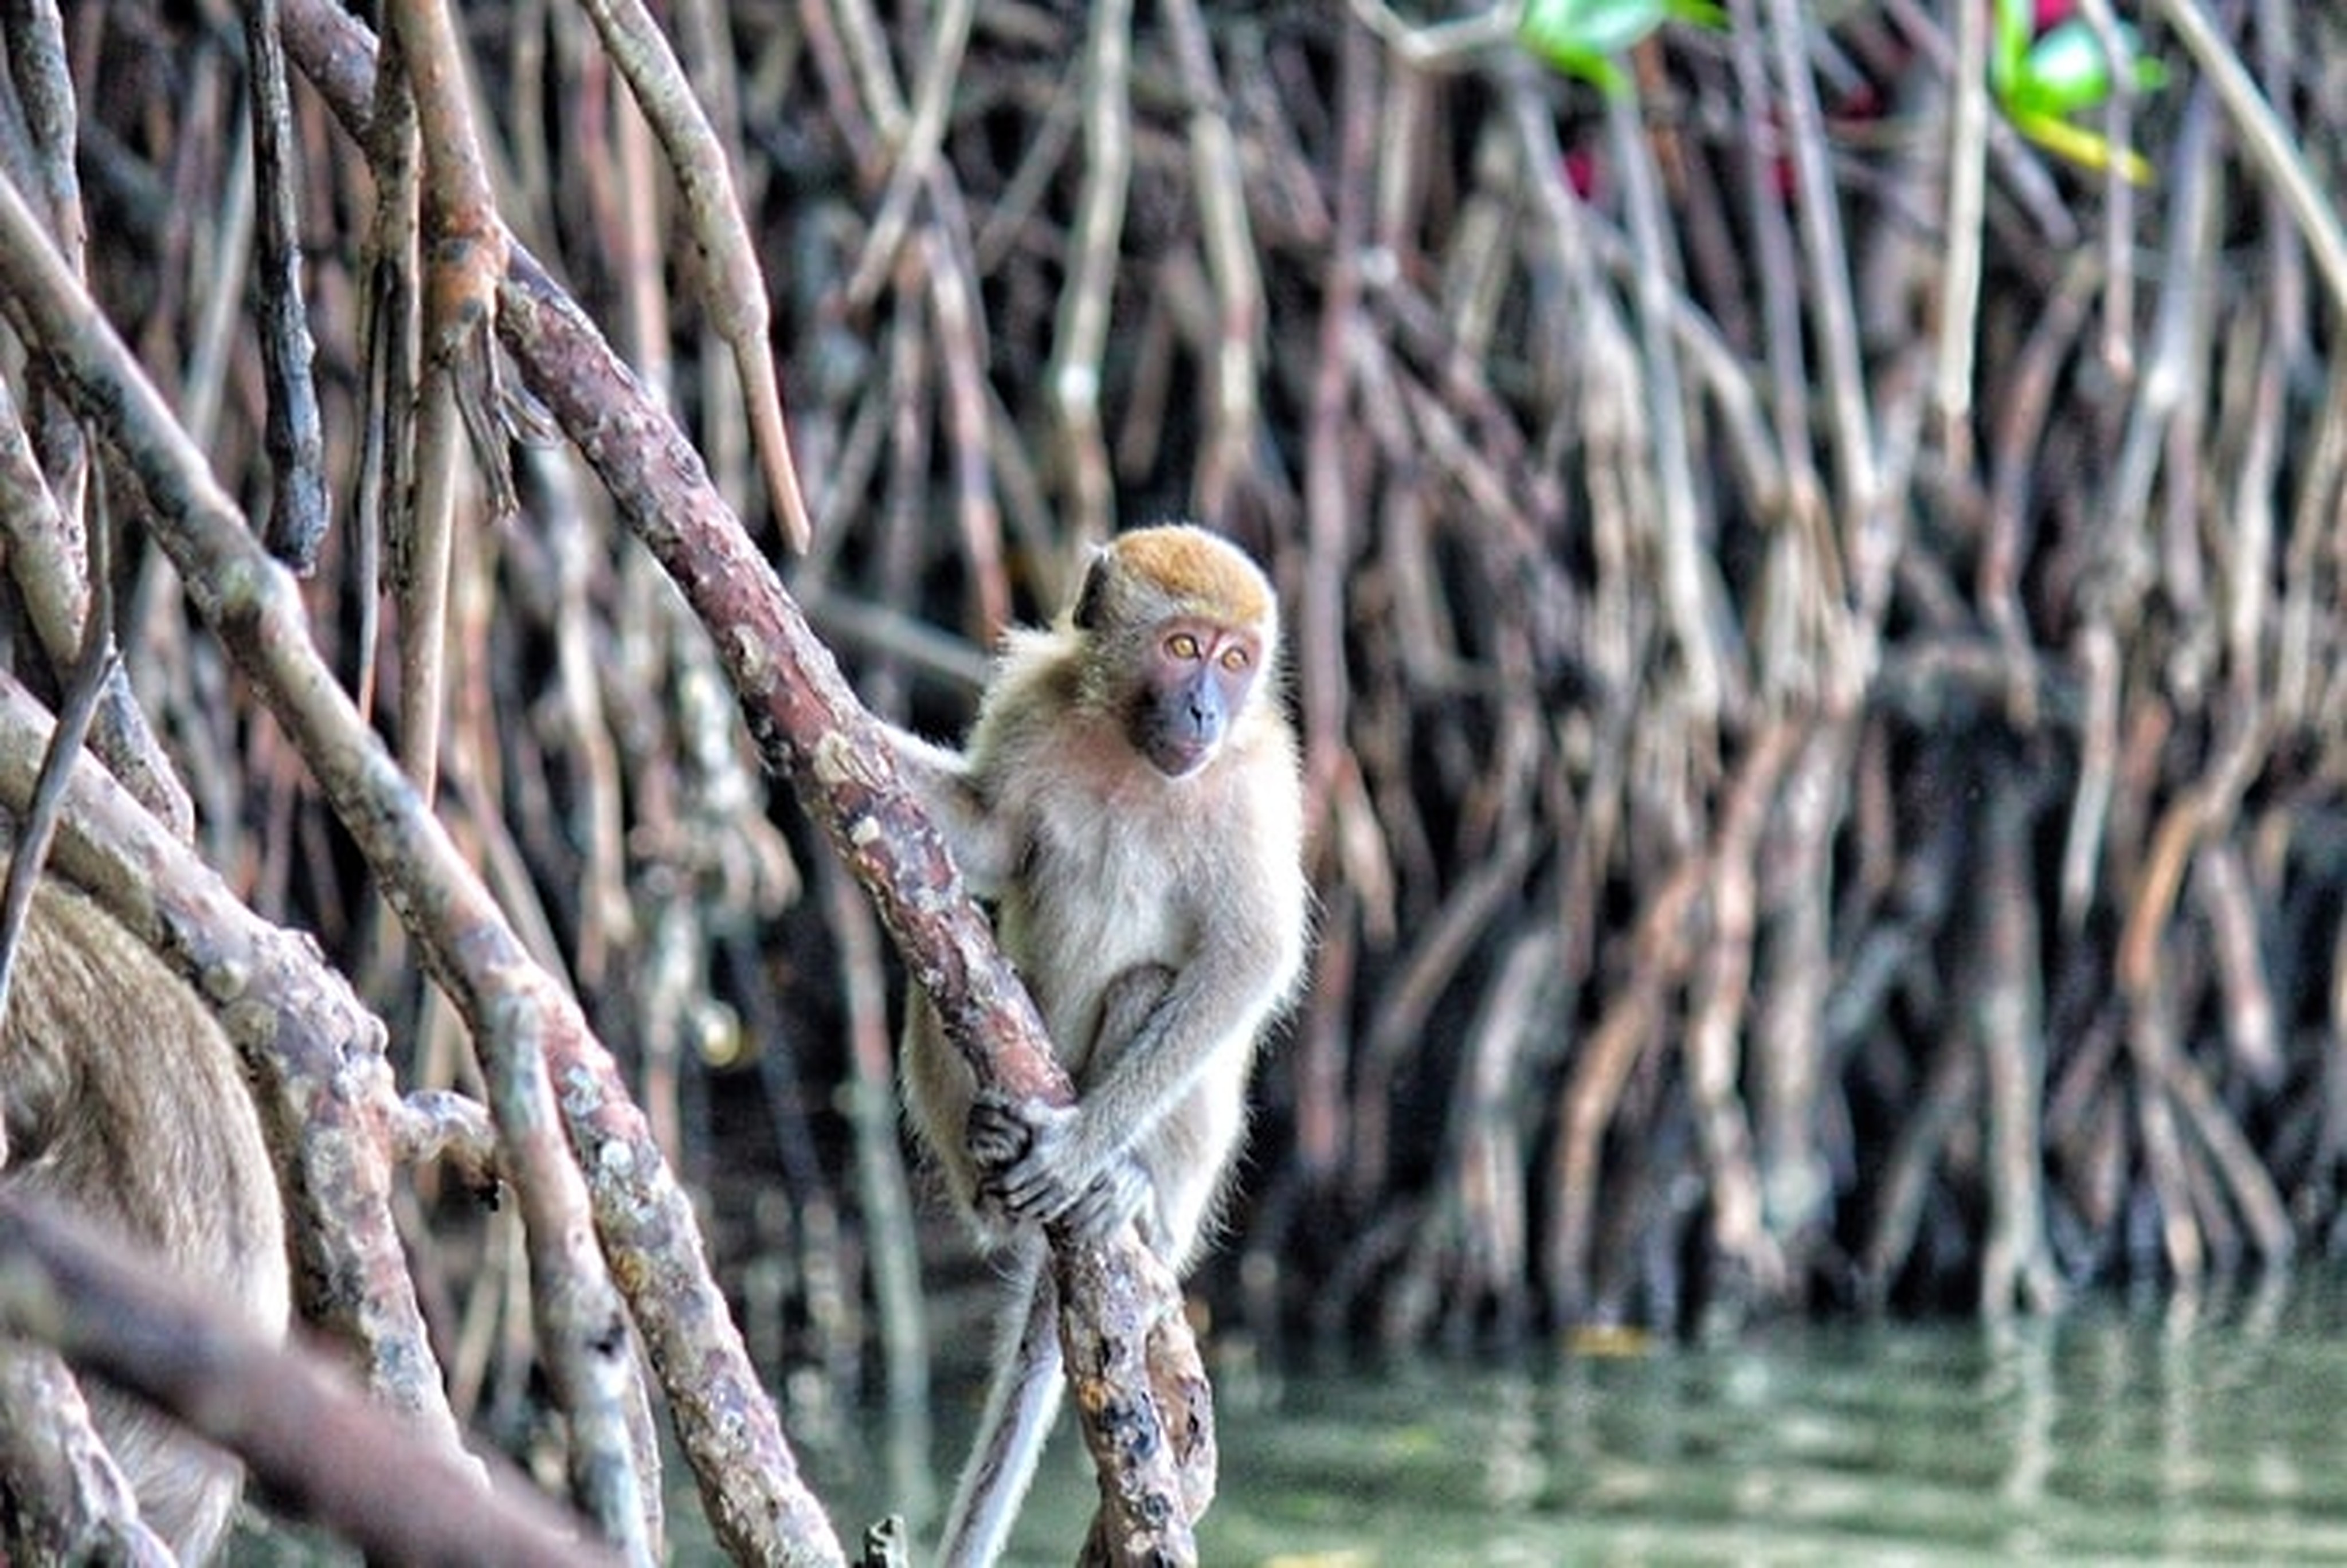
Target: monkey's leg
1019, 1406
1018, 1149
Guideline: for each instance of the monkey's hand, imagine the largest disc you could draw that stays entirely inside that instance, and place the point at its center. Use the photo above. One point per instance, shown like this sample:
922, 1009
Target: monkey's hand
1029, 1170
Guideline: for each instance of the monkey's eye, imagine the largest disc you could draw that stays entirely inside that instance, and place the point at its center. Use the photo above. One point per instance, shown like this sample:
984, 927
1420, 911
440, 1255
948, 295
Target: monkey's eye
1181, 646
1236, 660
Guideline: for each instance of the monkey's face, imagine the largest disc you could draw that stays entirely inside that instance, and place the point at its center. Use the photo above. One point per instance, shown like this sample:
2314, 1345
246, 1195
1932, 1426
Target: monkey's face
1194, 681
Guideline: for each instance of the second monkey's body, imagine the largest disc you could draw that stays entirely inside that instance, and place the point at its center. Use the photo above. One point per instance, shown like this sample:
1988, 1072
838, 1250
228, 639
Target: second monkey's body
1130, 799
120, 1097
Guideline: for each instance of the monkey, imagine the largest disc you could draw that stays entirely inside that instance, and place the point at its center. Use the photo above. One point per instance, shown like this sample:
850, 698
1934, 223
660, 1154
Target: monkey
1130, 802
121, 1097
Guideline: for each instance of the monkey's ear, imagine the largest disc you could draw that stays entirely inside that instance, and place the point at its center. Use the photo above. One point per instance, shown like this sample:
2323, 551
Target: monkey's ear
1090, 598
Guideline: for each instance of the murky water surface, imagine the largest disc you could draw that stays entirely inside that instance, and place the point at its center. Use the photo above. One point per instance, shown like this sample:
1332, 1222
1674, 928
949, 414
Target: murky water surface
2166, 1434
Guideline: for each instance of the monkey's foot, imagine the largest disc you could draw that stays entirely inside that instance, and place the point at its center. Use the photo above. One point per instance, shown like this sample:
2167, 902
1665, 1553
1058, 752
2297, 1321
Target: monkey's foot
1031, 1170
1117, 1195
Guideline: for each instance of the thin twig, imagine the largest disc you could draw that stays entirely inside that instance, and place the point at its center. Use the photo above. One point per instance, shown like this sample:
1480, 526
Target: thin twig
296, 438
1233, 360
733, 284
2265, 141
1081, 332
917, 149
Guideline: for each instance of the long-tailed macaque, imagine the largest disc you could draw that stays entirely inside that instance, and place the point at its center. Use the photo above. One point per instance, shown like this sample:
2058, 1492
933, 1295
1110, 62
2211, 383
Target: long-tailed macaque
1129, 799
123, 1099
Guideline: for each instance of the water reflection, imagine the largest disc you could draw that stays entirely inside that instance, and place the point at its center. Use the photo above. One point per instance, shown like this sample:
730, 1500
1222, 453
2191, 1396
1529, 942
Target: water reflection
2195, 1432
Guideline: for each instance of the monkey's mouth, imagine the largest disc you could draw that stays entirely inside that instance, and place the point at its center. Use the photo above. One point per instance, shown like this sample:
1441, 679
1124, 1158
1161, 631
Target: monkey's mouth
1177, 758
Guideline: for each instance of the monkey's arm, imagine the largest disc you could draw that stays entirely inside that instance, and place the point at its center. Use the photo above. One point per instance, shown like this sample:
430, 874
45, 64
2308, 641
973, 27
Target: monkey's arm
983, 839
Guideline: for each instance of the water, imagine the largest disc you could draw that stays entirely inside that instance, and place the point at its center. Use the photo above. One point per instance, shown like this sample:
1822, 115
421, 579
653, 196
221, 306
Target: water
2187, 1433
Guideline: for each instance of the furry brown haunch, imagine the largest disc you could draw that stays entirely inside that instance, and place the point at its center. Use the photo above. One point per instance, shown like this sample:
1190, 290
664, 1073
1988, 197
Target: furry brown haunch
123, 1099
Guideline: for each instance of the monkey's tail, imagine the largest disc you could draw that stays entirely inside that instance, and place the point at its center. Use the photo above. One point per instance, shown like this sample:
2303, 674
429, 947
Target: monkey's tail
1019, 1411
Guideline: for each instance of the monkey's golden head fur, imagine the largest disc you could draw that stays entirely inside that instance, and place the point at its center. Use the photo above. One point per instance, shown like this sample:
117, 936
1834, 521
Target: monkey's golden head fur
1176, 569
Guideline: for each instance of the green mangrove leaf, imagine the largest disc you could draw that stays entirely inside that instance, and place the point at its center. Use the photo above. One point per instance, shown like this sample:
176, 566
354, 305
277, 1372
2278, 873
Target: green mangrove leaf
1583, 37
2065, 71
1560, 30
